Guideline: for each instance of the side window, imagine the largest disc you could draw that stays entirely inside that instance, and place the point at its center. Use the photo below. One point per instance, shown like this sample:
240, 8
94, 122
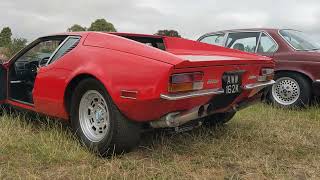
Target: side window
69, 44
216, 39
42, 50
243, 41
266, 45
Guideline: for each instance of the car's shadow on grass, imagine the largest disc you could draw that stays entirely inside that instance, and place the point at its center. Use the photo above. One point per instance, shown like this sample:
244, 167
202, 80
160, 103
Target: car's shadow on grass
152, 140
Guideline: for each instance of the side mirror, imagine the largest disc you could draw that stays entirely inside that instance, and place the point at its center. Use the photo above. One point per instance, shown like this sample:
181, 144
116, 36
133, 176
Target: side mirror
44, 61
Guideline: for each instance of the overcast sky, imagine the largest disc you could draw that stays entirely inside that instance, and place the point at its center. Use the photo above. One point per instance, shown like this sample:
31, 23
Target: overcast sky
192, 18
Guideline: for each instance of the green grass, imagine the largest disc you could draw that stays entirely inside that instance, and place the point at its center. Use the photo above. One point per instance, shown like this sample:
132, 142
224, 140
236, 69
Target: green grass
261, 142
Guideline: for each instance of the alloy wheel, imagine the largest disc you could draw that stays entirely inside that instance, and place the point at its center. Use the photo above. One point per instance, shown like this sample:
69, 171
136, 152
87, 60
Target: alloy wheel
94, 116
286, 91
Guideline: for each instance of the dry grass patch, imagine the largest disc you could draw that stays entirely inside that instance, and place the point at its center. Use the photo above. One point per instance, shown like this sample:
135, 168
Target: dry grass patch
261, 142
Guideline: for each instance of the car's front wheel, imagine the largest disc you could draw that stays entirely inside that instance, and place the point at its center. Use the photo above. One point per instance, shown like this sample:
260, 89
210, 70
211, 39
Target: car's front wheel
97, 121
290, 90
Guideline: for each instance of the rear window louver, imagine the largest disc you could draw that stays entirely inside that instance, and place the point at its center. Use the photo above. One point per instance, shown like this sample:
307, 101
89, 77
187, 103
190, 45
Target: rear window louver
71, 47
68, 46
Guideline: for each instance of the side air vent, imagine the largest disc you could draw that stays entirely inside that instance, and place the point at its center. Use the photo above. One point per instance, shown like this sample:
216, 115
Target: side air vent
71, 47
68, 45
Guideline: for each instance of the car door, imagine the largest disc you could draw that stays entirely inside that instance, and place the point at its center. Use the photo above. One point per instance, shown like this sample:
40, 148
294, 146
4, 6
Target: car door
50, 83
3, 83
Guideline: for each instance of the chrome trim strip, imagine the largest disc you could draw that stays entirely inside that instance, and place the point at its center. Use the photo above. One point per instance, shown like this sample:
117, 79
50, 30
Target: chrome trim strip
15, 82
259, 85
258, 43
318, 81
21, 102
175, 97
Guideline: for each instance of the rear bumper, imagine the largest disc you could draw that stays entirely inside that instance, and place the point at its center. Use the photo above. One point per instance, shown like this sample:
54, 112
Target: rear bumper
316, 87
209, 92
177, 119
218, 104
146, 110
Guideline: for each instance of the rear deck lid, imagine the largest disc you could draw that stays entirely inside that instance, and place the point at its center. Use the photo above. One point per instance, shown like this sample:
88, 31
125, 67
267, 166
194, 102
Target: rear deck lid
187, 53
197, 54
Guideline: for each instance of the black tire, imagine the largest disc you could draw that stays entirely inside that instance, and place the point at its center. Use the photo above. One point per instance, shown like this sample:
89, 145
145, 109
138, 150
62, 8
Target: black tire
219, 118
305, 96
123, 134
2, 110
5, 109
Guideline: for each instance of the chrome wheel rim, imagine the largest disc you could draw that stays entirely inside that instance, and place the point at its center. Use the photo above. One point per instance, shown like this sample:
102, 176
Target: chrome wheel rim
286, 91
94, 116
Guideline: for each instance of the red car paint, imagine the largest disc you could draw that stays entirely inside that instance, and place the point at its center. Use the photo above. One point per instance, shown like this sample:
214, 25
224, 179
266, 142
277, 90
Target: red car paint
125, 65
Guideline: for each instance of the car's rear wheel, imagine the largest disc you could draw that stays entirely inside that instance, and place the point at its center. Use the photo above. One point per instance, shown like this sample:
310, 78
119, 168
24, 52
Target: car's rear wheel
219, 118
291, 90
97, 121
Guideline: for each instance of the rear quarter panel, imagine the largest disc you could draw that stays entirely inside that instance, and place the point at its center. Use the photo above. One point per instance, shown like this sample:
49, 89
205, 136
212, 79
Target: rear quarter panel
116, 70
290, 62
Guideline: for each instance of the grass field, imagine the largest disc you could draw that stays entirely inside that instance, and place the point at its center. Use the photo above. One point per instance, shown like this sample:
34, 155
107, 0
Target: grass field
261, 142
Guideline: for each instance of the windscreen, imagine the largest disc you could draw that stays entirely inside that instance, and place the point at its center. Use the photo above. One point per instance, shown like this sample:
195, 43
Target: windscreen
300, 40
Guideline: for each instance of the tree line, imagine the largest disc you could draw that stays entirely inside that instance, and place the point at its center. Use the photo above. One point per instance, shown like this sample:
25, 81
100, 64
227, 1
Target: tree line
103, 25
10, 45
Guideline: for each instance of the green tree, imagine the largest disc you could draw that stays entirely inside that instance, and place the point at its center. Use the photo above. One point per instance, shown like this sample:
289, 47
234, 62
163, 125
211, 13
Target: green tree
171, 33
76, 28
102, 25
15, 46
5, 37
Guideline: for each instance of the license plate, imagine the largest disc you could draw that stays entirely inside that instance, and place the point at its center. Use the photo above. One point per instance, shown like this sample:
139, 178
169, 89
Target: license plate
231, 83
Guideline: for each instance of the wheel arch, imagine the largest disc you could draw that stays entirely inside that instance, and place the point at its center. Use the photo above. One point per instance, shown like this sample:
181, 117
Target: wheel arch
73, 83
307, 77
296, 72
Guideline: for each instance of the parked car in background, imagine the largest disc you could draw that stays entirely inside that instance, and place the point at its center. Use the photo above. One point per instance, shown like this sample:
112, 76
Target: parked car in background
111, 86
297, 59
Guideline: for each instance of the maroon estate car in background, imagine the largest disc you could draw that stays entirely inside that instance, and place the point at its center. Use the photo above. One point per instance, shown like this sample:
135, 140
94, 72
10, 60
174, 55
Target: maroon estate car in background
297, 59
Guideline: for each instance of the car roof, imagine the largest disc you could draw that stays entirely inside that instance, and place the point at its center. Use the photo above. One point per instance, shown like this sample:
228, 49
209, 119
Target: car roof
83, 33
246, 29
135, 34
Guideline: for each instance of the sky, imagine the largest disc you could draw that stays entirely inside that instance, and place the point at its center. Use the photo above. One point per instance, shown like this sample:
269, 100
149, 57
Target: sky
192, 18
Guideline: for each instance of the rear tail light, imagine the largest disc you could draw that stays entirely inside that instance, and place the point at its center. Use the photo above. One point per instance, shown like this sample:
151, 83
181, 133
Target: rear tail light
266, 74
186, 82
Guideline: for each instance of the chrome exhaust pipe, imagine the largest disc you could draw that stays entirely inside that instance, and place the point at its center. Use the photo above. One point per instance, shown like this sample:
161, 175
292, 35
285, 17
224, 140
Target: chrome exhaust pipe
179, 118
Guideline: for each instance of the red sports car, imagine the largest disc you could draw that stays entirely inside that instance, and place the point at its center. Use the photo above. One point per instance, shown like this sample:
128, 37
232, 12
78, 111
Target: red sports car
296, 54
111, 86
